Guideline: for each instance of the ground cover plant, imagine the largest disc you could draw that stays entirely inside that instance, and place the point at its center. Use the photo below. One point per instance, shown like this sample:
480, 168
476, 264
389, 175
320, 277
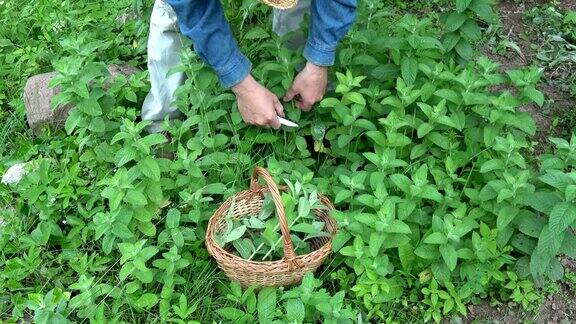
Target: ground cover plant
256, 237
540, 33
422, 146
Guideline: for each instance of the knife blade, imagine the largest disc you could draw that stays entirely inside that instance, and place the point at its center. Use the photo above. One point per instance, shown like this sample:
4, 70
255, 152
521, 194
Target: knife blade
286, 122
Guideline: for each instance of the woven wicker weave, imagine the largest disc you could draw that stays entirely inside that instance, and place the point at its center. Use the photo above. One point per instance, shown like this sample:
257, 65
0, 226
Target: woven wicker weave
281, 4
286, 271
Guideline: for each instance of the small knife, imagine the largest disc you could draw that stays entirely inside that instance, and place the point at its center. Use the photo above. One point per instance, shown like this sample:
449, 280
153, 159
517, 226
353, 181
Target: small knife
286, 122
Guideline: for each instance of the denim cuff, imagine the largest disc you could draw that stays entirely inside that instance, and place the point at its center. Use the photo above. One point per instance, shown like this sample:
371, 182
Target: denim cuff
235, 70
318, 55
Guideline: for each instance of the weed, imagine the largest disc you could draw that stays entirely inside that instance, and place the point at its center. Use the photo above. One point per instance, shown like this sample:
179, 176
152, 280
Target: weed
437, 204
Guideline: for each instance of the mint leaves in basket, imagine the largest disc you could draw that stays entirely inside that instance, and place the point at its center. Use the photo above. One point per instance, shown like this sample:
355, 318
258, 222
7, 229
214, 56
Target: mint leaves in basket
258, 237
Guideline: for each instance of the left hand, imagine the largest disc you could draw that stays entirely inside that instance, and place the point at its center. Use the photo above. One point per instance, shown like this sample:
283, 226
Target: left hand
309, 86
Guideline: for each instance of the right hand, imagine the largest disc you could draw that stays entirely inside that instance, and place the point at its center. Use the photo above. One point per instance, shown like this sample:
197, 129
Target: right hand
257, 105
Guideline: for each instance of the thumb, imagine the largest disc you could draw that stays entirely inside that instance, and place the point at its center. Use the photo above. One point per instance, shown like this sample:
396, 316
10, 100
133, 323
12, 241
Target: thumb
279, 108
274, 123
290, 94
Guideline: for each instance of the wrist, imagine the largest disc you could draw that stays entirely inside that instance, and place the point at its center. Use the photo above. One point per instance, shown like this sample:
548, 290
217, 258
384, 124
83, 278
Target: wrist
311, 67
245, 85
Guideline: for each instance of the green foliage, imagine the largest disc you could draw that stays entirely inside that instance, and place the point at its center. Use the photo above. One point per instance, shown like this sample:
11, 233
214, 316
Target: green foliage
305, 303
522, 291
555, 28
555, 197
258, 238
438, 201
462, 29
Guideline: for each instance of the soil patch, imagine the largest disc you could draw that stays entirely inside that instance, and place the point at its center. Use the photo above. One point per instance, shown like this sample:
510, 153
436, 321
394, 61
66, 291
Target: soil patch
559, 307
521, 52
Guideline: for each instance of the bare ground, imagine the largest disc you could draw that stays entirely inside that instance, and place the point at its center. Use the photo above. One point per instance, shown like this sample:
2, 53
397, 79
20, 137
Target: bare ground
516, 29
560, 306
557, 307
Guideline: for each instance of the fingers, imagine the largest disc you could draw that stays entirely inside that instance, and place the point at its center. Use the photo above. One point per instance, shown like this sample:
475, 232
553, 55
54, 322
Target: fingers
300, 99
299, 104
278, 107
304, 104
290, 94
259, 107
273, 113
268, 121
273, 121
269, 116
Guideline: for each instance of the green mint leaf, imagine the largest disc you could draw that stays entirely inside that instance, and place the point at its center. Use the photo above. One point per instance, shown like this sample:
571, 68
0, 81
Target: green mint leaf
266, 305
235, 234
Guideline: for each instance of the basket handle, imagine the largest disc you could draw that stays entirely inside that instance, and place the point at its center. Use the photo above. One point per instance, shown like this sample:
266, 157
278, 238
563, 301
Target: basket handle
289, 254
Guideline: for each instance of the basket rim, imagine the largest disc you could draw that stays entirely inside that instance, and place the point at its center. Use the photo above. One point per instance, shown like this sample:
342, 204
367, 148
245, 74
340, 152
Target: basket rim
223, 254
280, 4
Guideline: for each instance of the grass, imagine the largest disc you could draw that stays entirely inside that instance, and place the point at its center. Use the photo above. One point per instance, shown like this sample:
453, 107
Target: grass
564, 122
199, 289
204, 285
13, 132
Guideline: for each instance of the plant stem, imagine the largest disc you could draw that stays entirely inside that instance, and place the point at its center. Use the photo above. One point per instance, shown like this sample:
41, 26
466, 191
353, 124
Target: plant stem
278, 241
273, 245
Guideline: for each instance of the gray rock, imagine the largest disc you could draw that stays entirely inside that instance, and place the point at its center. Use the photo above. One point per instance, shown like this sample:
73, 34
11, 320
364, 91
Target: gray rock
126, 16
37, 97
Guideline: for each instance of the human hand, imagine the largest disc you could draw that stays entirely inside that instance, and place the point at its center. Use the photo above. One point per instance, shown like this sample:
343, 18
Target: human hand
309, 86
257, 105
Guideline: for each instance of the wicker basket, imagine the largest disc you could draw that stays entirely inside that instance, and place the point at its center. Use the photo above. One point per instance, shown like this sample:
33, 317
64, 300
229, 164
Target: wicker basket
281, 4
286, 271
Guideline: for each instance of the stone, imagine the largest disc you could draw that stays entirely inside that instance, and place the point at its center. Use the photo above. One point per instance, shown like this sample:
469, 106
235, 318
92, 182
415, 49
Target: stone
38, 94
127, 15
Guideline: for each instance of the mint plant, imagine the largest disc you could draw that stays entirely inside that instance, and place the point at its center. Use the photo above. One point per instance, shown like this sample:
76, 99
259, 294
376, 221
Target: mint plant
424, 147
462, 30
258, 238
